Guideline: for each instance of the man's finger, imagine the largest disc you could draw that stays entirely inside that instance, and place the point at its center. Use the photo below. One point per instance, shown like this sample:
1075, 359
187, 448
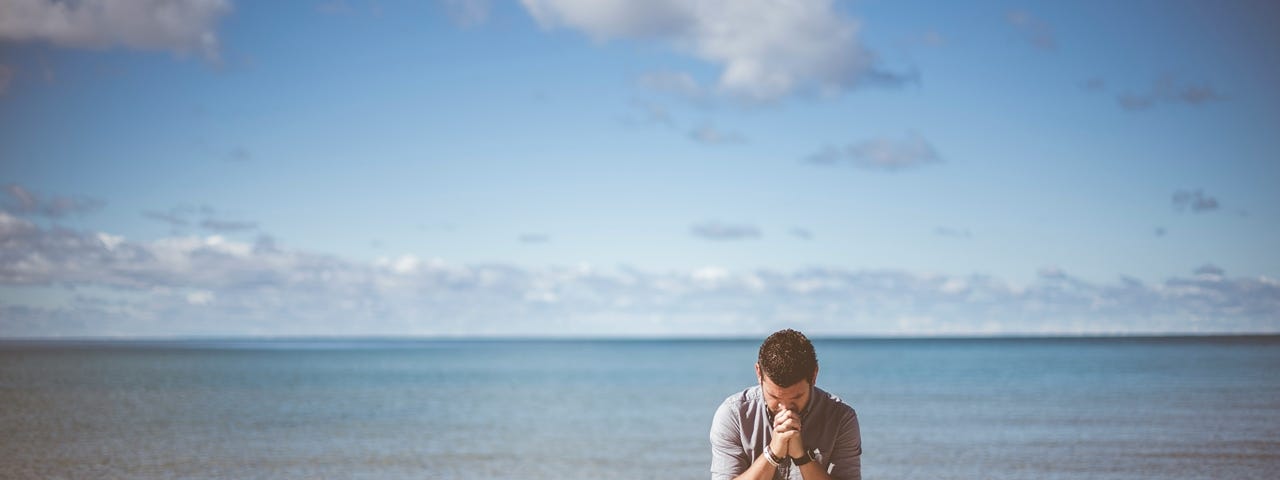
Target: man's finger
788, 427
782, 415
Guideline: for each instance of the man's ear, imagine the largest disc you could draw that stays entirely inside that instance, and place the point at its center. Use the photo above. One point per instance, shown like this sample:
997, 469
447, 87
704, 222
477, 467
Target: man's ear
814, 379
759, 374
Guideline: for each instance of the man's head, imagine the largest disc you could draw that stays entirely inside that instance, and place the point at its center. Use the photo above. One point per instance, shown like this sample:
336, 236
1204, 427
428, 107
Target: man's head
787, 369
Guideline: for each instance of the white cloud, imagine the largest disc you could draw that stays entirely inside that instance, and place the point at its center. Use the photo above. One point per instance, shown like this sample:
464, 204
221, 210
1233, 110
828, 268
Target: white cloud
883, 154
952, 232
403, 265
710, 135
954, 286
765, 49
1194, 200
676, 83
1209, 270
110, 241
23, 201
180, 26
709, 275
714, 230
227, 225
215, 286
1168, 89
650, 114
200, 297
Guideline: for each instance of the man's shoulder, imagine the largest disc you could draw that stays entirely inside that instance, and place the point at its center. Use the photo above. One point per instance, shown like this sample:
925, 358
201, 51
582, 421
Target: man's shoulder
833, 405
745, 397
744, 404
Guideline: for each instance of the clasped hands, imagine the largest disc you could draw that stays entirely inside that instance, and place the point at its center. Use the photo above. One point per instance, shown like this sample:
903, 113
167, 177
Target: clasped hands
786, 433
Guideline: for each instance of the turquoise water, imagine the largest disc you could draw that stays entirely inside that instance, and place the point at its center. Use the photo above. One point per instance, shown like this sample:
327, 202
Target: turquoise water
937, 409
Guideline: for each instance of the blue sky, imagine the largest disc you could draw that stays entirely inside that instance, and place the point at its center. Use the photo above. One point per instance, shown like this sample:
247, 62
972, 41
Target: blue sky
713, 167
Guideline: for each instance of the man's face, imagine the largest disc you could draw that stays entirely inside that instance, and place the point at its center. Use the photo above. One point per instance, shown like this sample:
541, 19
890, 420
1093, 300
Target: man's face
794, 397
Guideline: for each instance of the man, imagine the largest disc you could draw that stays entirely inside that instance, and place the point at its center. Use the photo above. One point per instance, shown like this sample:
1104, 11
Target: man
785, 427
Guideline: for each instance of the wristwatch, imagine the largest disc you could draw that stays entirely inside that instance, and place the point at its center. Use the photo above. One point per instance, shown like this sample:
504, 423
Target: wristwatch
808, 457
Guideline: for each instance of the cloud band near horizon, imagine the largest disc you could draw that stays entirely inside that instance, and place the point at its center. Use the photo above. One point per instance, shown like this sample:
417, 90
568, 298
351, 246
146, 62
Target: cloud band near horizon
97, 284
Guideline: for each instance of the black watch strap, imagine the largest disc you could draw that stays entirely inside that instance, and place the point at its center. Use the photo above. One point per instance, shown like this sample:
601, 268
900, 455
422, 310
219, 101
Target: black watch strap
808, 457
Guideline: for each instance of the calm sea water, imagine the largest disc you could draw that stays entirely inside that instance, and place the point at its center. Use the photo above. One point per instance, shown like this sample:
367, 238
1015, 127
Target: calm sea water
930, 409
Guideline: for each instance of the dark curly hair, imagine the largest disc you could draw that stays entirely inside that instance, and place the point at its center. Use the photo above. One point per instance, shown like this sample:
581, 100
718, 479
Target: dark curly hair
787, 357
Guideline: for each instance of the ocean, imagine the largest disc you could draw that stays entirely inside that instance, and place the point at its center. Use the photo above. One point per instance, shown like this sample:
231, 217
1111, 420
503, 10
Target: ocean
1005, 408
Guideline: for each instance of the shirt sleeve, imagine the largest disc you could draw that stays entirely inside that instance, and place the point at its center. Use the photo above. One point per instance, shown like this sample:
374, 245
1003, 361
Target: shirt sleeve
846, 459
728, 458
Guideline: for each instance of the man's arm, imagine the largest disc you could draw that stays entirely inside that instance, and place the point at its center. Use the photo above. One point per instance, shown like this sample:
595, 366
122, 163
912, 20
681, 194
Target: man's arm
729, 459
761, 469
797, 450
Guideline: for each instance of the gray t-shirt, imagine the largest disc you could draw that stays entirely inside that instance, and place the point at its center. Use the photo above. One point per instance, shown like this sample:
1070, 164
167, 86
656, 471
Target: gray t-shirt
742, 428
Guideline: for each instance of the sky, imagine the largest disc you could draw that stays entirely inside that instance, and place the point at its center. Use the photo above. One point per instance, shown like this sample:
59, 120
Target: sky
195, 168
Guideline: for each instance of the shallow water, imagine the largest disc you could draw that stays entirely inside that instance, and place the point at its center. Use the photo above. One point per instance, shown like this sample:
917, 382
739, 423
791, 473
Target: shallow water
939, 409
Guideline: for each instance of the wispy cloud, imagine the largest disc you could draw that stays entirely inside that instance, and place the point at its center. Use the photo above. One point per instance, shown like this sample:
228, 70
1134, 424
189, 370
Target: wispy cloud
1210, 269
801, 233
1194, 200
710, 135
179, 26
227, 226
239, 154
1051, 272
23, 201
883, 154
1168, 90
204, 216
169, 218
714, 230
214, 286
766, 50
1036, 31
468, 13
180, 215
679, 84
650, 114
534, 238
1095, 84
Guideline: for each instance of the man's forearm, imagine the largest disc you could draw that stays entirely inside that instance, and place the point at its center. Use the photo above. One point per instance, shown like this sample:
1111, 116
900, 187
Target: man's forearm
761, 469
813, 471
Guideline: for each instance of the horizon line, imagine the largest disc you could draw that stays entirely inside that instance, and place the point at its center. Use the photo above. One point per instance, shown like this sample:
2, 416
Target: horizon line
618, 338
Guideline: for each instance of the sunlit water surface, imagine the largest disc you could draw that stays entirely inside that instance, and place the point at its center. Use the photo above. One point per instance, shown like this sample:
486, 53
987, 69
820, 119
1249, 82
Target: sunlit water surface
938, 409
